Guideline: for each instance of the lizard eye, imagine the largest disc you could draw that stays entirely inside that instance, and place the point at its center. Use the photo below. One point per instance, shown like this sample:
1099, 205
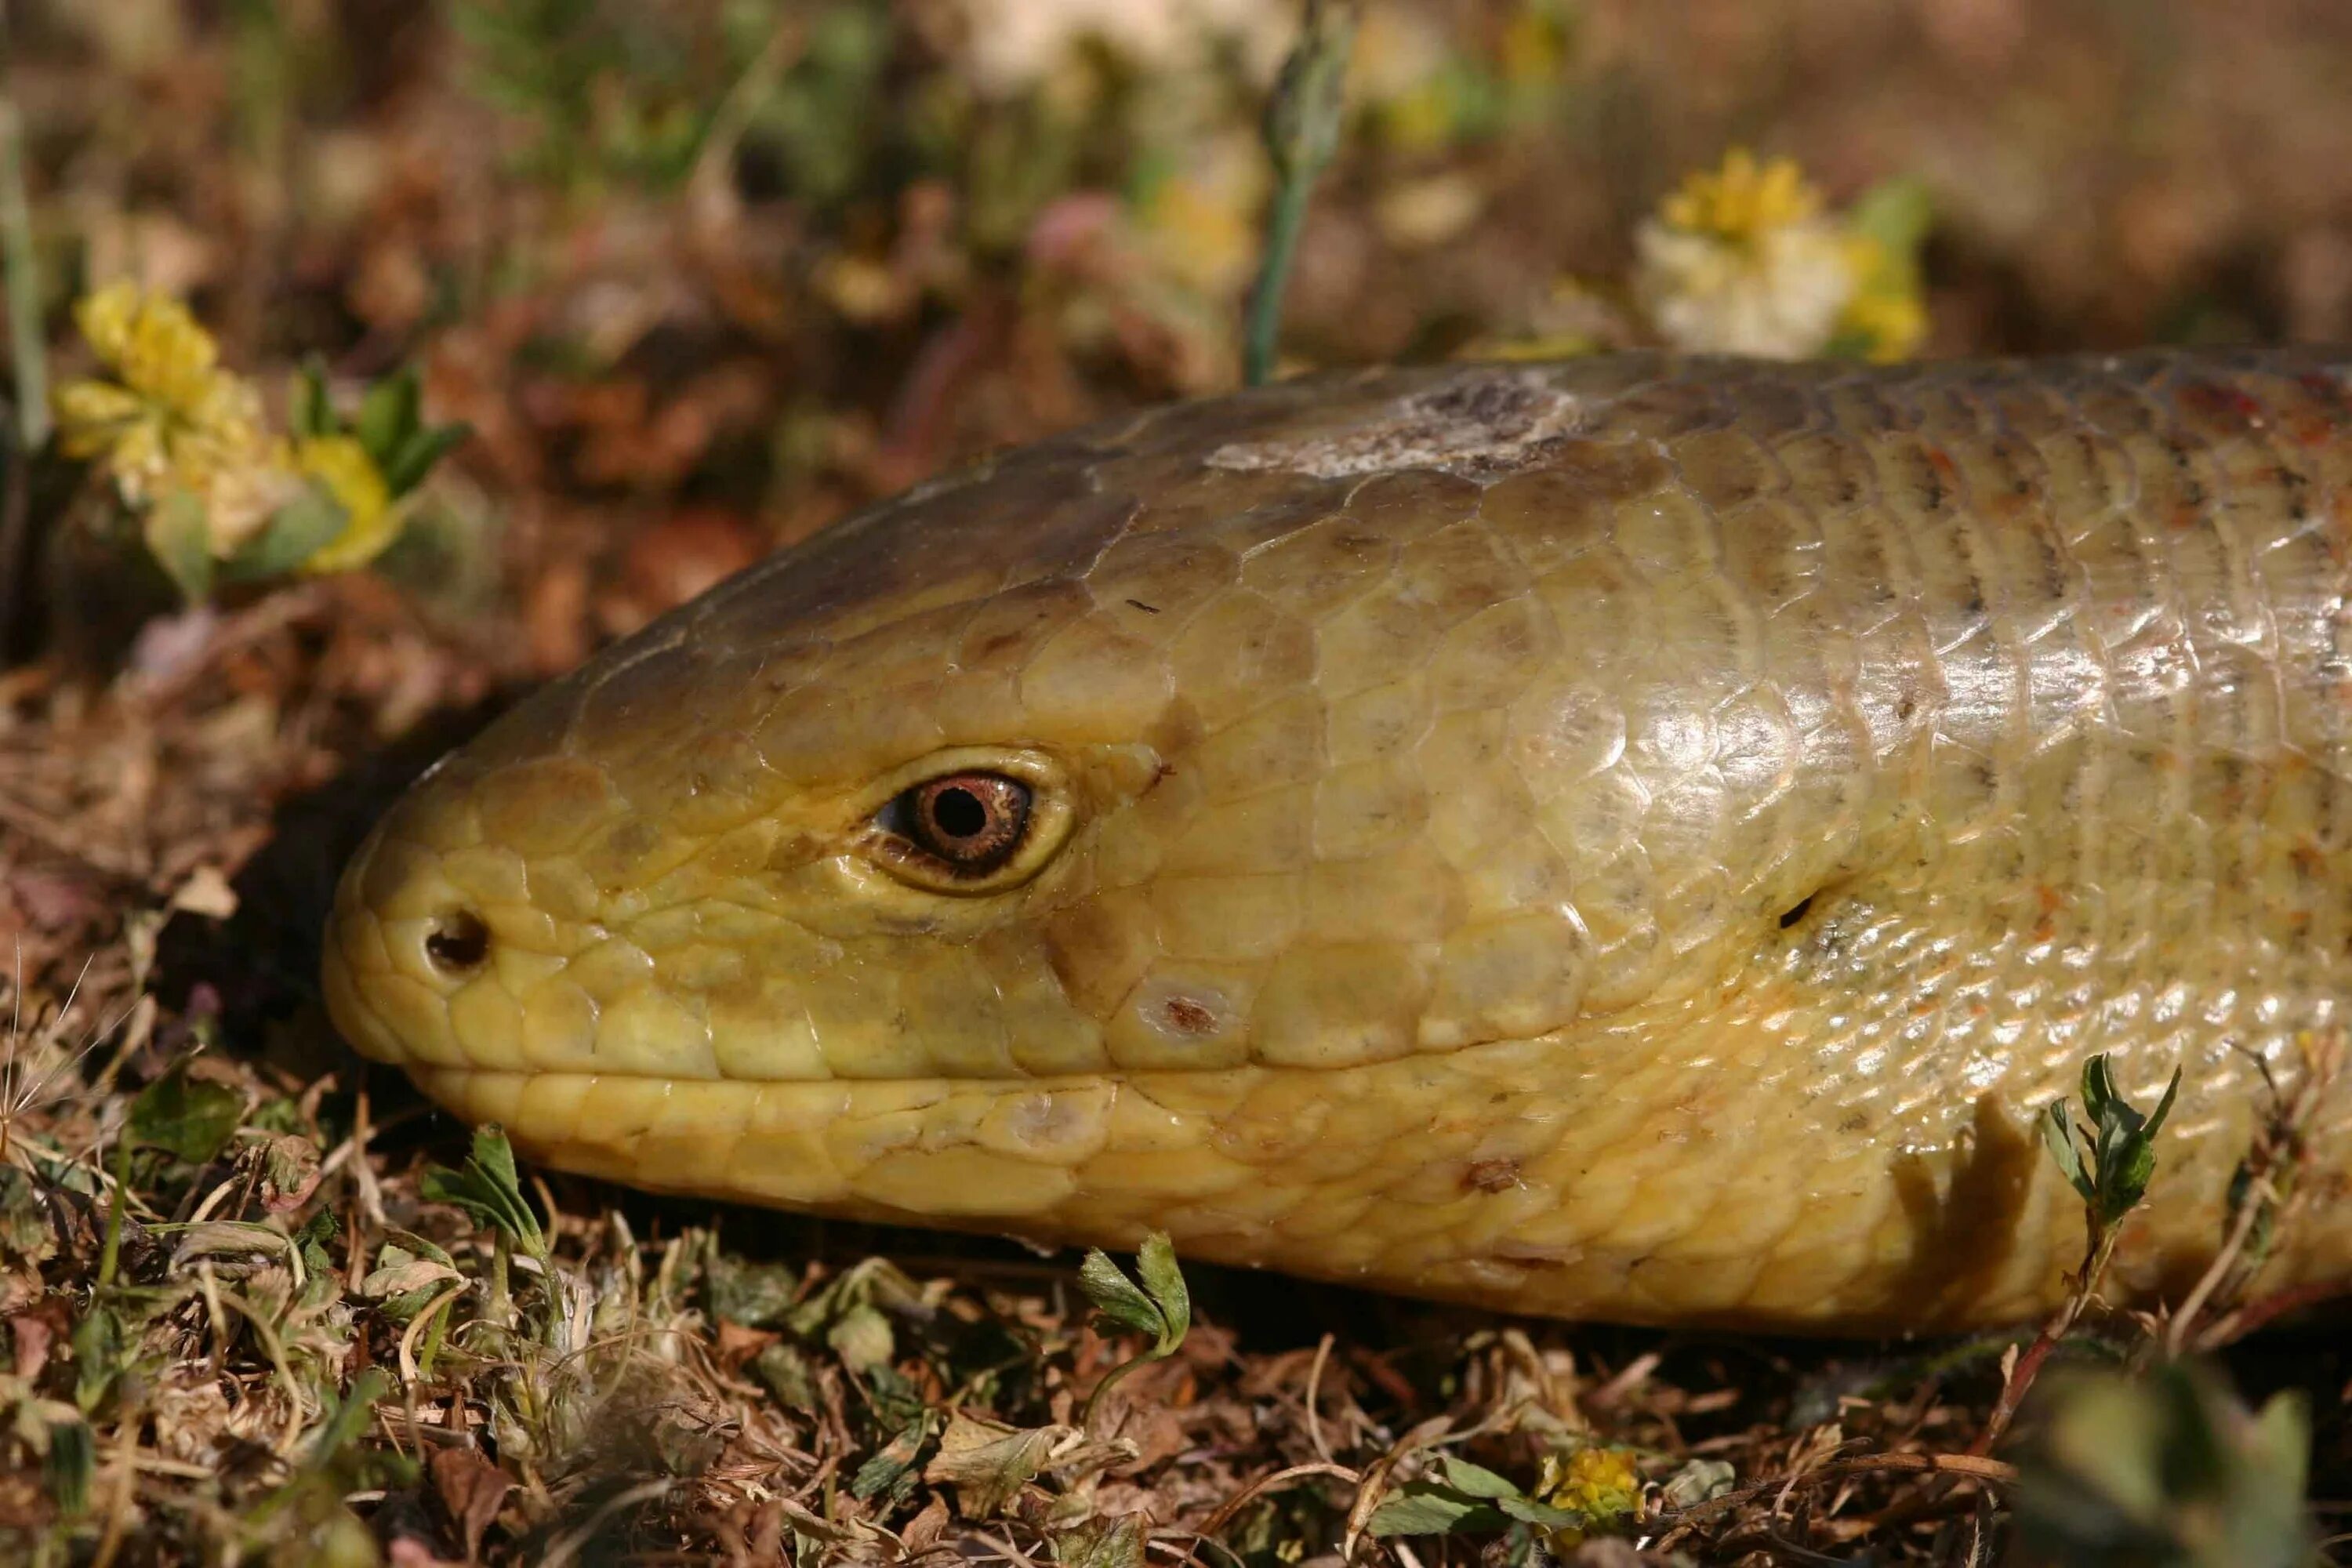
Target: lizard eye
970, 821
966, 824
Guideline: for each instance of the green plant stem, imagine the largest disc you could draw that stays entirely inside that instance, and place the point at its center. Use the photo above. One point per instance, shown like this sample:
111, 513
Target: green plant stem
109, 1255
1302, 133
502, 1303
1114, 1377
27, 353
1260, 342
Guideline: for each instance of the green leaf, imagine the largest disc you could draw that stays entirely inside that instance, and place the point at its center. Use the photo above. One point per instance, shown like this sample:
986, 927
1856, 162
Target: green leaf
861, 1337
97, 1356
1116, 1296
347, 1420
1102, 1543
1542, 1515
1304, 117
2164, 1106
295, 533
788, 1375
405, 467
1897, 213
2058, 1137
2281, 1440
388, 414
72, 1462
1155, 1266
488, 1189
309, 412
179, 536
1162, 1308
892, 1467
2101, 1102
1474, 1480
1429, 1508
189, 1119
2123, 1146
988, 1463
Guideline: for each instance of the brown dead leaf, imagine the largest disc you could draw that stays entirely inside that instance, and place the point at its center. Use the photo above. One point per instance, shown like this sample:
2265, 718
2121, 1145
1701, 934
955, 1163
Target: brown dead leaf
472, 1488
290, 1172
988, 1463
31, 1334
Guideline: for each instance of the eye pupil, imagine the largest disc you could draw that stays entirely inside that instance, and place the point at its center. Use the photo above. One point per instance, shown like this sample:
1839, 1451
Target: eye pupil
959, 813
971, 823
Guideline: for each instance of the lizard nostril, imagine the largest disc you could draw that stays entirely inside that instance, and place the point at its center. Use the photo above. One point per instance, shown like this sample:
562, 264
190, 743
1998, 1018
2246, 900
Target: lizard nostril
458, 943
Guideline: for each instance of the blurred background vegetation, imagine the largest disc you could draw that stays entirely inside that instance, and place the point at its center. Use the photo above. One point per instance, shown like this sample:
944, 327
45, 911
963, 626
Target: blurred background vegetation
702, 275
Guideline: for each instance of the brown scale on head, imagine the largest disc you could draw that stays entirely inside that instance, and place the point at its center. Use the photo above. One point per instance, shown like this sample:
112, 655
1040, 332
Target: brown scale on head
1635, 838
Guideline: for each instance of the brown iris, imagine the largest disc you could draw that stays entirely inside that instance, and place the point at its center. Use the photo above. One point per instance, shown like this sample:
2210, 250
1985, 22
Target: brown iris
972, 823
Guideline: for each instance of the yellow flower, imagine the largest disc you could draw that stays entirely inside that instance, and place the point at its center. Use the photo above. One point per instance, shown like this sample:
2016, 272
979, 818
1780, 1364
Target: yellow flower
1742, 261
1602, 1484
170, 416
350, 476
1200, 223
1743, 202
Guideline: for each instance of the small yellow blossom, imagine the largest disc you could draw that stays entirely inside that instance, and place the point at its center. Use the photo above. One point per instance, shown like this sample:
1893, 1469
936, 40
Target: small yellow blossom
1745, 201
1200, 223
1745, 259
168, 415
350, 476
1602, 1484
1742, 261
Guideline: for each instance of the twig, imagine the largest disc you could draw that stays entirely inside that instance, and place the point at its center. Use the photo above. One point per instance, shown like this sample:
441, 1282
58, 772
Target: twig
1302, 131
1314, 1391
409, 1361
1234, 1504
714, 161
2236, 1325
2028, 1366
2267, 1193
1972, 1466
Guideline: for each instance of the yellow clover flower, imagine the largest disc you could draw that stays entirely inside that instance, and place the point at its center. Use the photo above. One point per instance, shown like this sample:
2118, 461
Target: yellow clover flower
1602, 1484
1742, 261
341, 464
1745, 201
168, 415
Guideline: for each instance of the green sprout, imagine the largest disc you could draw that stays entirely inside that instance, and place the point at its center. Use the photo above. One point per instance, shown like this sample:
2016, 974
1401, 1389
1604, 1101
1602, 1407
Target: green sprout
1302, 133
2108, 1161
1160, 1305
490, 1190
